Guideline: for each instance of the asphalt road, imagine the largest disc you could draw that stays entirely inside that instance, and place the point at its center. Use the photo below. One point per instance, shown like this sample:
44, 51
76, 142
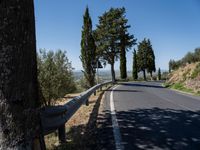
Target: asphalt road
150, 117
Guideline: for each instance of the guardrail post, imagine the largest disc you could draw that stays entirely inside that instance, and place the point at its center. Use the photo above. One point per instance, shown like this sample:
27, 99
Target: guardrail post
61, 134
94, 93
87, 102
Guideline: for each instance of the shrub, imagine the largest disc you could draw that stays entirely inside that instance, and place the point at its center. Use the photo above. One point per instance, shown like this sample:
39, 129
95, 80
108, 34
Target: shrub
55, 75
190, 57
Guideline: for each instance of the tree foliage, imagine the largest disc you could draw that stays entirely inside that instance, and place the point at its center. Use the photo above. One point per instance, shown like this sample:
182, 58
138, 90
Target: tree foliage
146, 58
126, 42
135, 66
54, 75
142, 57
88, 50
190, 57
150, 59
110, 31
174, 64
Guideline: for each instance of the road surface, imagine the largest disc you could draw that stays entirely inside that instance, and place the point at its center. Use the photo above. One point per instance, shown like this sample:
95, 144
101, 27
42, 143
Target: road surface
146, 116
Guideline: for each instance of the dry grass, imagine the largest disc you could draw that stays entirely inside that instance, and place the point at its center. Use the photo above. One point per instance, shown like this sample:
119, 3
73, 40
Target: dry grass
185, 76
77, 128
183, 73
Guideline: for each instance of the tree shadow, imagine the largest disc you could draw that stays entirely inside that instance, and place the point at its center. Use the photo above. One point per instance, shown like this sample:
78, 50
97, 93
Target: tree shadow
83, 137
124, 90
156, 128
142, 129
141, 85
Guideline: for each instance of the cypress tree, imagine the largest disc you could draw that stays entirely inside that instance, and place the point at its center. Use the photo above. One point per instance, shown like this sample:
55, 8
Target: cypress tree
142, 57
126, 42
135, 67
88, 50
150, 59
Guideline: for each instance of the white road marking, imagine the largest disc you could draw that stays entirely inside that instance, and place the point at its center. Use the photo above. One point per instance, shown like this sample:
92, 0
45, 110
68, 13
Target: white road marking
115, 125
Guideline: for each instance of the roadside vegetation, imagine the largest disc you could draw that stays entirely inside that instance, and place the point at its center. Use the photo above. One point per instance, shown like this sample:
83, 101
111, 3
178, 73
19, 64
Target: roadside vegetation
109, 43
185, 73
55, 76
179, 87
190, 57
88, 51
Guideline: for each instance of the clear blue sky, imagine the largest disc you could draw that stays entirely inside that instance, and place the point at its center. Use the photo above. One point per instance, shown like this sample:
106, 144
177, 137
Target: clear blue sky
173, 26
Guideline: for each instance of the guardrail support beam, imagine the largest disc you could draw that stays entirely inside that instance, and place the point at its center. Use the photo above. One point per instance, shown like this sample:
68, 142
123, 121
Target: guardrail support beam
87, 102
61, 134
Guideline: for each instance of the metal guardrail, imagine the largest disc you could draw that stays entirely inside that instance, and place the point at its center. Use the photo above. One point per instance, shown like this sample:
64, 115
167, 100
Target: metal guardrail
54, 117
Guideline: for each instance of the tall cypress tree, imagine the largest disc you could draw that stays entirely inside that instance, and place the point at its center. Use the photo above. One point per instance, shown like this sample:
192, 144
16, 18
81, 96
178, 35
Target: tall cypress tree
150, 59
135, 67
126, 42
88, 49
142, 57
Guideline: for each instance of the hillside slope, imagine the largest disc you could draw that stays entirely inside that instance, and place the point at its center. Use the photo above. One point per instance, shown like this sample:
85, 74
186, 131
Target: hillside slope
186, 78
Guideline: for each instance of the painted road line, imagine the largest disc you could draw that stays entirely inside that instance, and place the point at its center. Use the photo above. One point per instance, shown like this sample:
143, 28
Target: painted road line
115, 125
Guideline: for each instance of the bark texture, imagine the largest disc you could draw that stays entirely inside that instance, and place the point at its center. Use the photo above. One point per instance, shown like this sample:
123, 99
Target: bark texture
19, 121
113, 72
123, 71
144, 74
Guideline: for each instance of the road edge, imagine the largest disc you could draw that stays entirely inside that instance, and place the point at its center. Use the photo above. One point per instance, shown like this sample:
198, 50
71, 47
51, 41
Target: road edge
115, 125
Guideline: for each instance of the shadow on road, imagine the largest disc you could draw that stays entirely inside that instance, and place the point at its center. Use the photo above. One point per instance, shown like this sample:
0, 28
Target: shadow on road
157, 128
142, 84
124, 90
160, 128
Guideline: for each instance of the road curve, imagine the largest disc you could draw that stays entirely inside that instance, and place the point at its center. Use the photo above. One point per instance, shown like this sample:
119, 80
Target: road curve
151, 117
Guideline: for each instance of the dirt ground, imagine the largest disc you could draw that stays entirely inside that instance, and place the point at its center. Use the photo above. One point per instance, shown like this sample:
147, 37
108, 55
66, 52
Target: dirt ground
80, 129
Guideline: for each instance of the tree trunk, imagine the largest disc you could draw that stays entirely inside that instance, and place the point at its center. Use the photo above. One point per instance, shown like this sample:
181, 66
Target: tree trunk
113, 72
19, 102
144, 75
123, 72
151, 76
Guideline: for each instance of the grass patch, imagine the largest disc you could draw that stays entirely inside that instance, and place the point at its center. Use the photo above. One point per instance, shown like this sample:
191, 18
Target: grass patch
180, 87
167, 85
